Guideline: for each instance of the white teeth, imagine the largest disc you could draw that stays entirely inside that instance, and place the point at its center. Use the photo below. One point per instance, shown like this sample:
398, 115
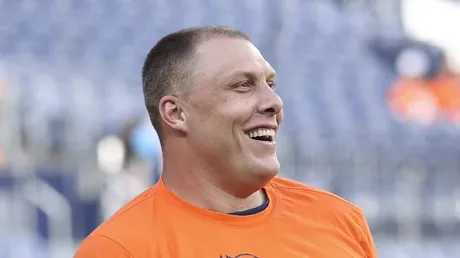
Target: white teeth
261, 132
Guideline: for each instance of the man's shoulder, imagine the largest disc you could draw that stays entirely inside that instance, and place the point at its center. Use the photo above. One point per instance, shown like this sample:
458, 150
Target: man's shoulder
286, 185
327, 211
135, 218
125, 231
299, 193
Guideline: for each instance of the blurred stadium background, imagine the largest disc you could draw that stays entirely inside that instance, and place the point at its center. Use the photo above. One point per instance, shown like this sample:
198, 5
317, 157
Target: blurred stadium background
371, 111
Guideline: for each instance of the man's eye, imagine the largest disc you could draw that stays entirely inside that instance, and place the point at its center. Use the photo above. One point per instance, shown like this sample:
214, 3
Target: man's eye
272, 84
245, 85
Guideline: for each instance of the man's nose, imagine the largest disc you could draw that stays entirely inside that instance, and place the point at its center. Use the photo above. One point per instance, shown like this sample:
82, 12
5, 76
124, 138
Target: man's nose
271, 103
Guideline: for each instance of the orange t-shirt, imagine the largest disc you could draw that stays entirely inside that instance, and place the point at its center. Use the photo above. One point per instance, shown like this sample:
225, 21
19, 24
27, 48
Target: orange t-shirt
300, 221
414, 101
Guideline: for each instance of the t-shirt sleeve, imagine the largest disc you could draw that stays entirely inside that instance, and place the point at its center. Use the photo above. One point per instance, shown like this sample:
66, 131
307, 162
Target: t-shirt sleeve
367, 242
99, 246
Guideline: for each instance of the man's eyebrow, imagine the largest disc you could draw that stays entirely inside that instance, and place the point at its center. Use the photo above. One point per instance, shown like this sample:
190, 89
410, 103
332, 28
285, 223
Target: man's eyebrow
248, 74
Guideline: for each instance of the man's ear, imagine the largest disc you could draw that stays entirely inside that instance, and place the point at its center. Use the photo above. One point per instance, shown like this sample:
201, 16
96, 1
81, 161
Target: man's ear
172, 113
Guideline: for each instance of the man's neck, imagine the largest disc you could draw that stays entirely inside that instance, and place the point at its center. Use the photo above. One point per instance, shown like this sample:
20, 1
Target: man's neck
205, 194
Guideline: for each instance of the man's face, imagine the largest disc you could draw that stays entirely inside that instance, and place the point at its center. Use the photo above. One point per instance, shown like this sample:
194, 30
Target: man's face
233, 112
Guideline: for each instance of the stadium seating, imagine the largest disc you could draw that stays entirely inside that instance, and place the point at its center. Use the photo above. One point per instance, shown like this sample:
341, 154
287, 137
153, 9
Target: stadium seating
76, 67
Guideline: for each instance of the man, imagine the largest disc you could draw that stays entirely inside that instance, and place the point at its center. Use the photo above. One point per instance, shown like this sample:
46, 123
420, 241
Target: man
210, 95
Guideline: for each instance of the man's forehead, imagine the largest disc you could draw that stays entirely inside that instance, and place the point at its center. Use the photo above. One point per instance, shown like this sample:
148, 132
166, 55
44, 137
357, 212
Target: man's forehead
227, 56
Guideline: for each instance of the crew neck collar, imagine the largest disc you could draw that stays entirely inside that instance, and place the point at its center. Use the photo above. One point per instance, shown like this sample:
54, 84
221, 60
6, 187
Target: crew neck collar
252, 220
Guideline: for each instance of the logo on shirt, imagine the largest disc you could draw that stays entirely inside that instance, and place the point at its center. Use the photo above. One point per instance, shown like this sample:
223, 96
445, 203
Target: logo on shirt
239, 256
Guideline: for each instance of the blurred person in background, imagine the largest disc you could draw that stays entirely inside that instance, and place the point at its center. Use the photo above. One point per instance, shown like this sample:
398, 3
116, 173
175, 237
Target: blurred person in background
427, 90
410, 99
140, 153
210, 96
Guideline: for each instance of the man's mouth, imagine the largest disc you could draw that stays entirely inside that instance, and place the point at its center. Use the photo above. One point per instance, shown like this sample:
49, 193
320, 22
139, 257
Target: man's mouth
262, 134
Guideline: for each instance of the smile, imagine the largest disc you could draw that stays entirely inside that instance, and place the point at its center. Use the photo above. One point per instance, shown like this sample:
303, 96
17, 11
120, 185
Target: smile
262, 134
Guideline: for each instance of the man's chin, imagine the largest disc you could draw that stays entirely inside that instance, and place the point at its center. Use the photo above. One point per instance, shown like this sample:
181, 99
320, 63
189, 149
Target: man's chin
267, 170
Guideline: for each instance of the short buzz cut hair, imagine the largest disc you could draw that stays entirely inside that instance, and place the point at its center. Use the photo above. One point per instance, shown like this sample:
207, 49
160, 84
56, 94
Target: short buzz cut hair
167, 67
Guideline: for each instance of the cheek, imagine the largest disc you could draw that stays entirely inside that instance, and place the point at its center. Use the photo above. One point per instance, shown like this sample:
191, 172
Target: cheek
209, 122
241, 110
236, 118
223, 114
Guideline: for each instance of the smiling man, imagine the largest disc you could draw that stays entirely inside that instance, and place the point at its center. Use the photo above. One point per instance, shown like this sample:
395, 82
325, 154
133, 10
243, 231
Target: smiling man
211, 97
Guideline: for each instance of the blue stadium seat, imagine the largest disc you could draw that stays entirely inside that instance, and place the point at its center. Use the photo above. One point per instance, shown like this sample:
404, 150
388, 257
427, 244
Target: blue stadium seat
334, 89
